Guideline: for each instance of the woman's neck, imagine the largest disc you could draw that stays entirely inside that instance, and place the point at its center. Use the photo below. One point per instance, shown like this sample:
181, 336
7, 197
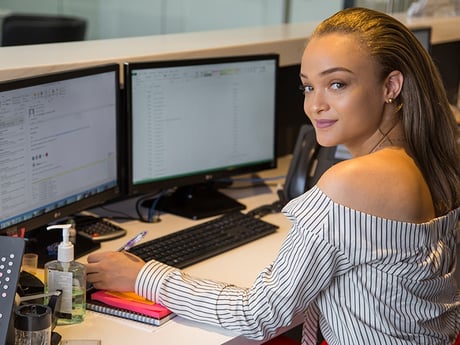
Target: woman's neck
391, 137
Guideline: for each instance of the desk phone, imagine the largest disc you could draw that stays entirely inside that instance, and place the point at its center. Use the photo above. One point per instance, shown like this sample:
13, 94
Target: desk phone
11, 251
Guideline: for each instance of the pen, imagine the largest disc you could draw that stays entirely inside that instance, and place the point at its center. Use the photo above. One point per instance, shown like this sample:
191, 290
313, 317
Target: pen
128, 245
40, 295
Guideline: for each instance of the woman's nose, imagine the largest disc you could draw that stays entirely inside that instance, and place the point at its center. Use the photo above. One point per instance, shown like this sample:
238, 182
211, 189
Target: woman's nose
315, 103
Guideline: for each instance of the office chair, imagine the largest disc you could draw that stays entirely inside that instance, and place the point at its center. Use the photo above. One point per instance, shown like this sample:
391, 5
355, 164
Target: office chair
22, 29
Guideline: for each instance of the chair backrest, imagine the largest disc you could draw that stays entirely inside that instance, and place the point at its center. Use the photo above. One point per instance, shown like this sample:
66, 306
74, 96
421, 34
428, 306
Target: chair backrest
22, 29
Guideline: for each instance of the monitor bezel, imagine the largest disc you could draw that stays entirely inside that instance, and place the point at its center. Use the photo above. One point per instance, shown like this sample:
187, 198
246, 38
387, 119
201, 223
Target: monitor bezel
133, 189
426, 30
111, 194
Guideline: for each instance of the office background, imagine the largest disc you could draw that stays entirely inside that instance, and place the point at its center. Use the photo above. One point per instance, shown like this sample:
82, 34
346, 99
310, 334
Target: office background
119, 18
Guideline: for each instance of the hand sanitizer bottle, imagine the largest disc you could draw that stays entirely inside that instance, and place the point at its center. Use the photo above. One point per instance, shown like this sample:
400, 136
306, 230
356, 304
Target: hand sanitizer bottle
69, 276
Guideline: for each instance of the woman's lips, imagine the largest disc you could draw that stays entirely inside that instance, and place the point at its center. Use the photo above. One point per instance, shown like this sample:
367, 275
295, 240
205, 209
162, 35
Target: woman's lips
324, 123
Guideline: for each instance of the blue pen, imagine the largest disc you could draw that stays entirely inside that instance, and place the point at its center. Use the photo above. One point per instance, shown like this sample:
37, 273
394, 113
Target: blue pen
132, 242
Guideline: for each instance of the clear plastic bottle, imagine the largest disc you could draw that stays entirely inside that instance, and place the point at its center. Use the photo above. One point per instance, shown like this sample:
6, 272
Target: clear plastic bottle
69, 276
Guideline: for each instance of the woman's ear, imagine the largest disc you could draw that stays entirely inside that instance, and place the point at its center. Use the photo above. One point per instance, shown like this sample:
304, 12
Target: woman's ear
393, 85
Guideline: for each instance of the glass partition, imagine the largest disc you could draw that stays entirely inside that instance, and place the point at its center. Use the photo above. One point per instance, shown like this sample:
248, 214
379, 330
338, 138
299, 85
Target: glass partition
120, 18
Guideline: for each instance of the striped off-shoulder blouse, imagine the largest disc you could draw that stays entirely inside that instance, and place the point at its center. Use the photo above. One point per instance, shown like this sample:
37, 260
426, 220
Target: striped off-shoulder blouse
361, 278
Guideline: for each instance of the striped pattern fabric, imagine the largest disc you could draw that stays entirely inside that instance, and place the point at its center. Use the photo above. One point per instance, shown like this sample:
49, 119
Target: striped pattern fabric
363, 279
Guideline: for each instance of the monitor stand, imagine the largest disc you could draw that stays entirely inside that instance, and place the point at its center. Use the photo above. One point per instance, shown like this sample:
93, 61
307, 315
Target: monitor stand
196, 202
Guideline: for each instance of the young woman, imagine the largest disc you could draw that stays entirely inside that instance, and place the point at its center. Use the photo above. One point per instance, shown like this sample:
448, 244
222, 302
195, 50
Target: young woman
371, 253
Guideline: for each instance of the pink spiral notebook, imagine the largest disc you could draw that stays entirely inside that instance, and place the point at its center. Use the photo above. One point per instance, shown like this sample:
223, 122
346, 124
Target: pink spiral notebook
129, 305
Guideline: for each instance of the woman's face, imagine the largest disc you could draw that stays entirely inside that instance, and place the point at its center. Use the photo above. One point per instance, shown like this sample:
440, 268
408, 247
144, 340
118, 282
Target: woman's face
344, 97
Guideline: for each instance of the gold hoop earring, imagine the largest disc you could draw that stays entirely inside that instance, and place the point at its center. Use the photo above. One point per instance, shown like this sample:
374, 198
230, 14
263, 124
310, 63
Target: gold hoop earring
389, 100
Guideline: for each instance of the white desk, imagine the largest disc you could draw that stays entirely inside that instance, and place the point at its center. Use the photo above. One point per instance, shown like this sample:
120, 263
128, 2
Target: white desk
239, 266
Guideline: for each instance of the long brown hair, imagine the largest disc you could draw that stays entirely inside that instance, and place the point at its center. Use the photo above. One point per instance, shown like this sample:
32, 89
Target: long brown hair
427, 119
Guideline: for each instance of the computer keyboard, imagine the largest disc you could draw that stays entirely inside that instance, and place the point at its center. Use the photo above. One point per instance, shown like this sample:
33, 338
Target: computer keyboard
202, 241
97, 229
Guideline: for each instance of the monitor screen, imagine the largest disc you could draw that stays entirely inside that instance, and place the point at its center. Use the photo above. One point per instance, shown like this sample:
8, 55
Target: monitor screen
192, 122
423, 34
58, 145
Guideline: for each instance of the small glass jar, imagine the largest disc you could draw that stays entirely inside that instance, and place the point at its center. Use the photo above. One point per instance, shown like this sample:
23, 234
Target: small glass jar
32, 325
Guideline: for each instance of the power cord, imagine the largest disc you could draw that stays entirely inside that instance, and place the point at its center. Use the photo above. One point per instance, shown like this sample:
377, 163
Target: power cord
152, 215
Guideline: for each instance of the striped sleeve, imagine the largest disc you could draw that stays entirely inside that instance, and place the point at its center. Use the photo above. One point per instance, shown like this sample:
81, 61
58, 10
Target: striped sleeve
304, 266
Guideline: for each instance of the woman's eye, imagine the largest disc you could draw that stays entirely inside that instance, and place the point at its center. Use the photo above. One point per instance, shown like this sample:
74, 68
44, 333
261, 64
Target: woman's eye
305, 88
337, 85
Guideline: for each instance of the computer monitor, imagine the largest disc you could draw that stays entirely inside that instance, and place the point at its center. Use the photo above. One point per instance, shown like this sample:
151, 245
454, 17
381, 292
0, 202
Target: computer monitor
423, 34
193, 122
58, 145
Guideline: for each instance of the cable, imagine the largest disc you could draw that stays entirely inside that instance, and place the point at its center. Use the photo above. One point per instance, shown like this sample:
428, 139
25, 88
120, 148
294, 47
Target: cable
151, 209
263, 210
123, 215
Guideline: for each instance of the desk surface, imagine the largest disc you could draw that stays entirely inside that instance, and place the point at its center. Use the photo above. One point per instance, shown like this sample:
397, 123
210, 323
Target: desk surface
225, 267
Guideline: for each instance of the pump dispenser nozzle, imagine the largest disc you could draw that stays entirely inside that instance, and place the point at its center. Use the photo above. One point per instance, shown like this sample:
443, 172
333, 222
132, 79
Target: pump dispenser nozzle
65, 248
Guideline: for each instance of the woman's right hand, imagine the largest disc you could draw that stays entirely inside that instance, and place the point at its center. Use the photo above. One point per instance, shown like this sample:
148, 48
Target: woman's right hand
116, 271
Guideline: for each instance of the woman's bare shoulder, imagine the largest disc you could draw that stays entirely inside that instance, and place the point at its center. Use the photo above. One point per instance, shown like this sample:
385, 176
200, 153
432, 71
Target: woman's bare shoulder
387, 184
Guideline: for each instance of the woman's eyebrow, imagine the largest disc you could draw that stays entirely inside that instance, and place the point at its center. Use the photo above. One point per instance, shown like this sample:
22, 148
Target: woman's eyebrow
329, 71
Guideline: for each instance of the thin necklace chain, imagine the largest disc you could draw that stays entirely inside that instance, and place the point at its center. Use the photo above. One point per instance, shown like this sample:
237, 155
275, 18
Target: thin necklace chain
385, 137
